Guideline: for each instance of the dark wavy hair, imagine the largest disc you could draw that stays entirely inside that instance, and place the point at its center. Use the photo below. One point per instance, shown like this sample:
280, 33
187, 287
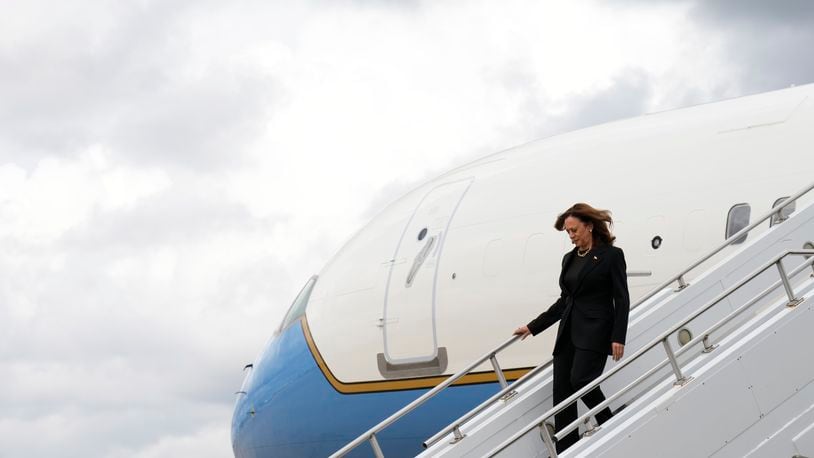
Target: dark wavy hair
600, 219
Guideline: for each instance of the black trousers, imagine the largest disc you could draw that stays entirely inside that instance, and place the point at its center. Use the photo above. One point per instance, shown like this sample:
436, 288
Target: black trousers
573, 369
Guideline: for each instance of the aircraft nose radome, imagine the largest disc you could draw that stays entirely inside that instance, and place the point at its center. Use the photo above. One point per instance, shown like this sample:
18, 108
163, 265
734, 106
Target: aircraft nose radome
282, 404
242, 413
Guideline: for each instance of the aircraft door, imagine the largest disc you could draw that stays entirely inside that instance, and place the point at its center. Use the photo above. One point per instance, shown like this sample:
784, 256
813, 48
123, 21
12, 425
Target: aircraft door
409, 304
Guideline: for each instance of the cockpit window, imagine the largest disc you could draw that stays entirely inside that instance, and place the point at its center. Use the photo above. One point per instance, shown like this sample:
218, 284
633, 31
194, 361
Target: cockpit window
297, 309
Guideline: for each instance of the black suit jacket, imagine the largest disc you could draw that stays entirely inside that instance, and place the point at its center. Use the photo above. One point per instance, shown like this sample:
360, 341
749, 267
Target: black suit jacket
596, 311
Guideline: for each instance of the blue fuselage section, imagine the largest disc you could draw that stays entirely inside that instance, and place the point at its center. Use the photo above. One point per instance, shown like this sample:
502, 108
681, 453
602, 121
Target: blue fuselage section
290, 409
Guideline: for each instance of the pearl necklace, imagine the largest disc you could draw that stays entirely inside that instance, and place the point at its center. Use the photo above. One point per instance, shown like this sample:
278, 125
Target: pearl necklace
581, 253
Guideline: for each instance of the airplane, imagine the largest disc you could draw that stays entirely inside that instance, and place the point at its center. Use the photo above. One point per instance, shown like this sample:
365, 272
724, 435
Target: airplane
450, 269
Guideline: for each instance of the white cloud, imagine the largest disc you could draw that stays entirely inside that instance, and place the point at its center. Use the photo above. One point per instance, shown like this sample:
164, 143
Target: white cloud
60, 194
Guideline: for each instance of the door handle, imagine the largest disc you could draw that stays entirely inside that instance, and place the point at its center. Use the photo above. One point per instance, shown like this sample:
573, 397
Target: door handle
419, 260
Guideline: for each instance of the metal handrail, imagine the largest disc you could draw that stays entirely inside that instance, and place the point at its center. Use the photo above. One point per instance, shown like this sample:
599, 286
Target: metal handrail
672, 357
505, 392
370, 435
784, 280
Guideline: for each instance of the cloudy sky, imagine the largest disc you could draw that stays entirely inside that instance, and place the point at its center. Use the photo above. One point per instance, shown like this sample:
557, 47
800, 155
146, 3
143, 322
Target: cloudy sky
172, 172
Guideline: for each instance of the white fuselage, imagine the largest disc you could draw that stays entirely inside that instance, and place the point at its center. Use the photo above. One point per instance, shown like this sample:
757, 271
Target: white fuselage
451, 269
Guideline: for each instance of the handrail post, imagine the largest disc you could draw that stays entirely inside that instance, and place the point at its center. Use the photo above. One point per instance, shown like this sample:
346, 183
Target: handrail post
549, 442
793, 301
707, 346
680, 378
457, 435
590, 429
377, 449
681, 283
498, 371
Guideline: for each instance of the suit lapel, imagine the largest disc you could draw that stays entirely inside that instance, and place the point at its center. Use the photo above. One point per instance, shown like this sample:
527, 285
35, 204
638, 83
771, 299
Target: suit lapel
596, 256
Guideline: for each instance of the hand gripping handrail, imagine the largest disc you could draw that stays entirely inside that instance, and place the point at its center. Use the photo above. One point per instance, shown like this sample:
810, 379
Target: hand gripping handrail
370, 435
672, 356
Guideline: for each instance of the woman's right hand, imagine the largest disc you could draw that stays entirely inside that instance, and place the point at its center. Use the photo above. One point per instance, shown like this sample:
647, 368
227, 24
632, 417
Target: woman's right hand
522, 331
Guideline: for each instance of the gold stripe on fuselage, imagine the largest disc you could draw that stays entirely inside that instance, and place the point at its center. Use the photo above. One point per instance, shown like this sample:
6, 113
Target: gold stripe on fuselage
374, 386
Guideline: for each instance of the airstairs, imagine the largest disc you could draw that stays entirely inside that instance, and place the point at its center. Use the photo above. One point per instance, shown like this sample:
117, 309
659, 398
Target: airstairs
719, 365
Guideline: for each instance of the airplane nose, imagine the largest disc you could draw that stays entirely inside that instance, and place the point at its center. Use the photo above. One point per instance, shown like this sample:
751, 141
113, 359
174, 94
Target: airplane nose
267, 411
267, 398
290, 408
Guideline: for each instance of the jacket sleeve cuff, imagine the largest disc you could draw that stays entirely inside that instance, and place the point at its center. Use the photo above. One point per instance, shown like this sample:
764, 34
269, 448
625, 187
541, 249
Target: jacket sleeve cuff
534, 328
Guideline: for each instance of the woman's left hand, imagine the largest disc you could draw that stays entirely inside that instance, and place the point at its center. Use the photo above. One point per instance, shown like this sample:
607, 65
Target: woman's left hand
522, 331
618, 350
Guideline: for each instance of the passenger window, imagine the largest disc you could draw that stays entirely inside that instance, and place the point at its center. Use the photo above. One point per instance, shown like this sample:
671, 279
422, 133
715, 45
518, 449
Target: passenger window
297, 309
784, 213
738, 219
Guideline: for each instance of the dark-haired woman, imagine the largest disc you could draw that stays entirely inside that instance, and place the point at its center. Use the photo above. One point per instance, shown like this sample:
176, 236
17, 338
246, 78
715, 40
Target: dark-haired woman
592, 311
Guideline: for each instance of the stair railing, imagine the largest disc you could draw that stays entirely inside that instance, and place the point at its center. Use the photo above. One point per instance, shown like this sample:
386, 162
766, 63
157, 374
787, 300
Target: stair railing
672, 355
503, 395
370, 435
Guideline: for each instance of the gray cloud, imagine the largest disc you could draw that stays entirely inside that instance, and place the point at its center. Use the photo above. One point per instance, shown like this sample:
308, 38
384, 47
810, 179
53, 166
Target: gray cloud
782, 13
125, 78
93, 352
75, 431
769, 42
627, 96
186, 212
